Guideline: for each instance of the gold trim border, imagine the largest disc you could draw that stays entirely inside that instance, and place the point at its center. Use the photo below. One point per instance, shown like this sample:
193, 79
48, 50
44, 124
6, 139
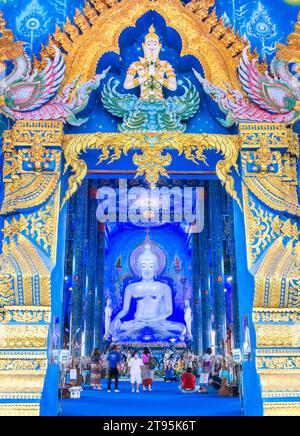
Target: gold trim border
282, 409
17, 409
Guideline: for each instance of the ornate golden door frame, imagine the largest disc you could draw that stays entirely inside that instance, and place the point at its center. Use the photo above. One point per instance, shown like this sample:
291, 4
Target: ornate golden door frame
31, 204
269, 156
152, 154
30, 242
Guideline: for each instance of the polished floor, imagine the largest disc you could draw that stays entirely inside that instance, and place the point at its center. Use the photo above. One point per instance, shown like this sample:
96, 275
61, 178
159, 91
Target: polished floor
165, 400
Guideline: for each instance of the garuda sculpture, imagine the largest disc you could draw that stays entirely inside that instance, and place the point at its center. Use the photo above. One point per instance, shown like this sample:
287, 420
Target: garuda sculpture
151, 112
33, 95
271, 97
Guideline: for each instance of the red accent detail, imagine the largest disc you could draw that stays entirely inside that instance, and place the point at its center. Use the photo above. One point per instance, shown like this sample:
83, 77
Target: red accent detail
93, 192
188, 381
101, 227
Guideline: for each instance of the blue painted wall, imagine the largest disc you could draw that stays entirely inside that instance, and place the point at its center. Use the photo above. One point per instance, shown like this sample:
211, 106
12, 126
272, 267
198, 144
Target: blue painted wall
251, 388
265, 22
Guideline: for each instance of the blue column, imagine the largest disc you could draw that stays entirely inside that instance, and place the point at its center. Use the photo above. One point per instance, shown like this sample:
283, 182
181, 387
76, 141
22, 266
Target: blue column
233, 267
99, 286
78, 281
216, 233
91, 269
196, 295
68, 267
205, 278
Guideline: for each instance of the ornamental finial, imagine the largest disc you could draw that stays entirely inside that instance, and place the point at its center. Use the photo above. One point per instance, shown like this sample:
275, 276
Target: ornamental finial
152, 33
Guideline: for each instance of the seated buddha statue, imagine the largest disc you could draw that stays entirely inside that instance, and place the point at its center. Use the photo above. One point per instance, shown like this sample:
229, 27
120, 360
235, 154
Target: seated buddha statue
154, 303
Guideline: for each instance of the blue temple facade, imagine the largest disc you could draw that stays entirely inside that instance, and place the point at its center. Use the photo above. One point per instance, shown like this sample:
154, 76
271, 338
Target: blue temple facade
149, 131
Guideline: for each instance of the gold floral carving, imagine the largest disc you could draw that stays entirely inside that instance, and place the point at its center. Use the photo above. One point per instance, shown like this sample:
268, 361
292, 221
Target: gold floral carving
32, 152
21, 383
277, 279
26, 314
41, 226
282, 384
253, 135
28, 133
282, 408
23, 336
263, 227
269, 160
279, 194
19, 409
276, 315
272, 336
22, 260
152, 155
275, 363
7, 283
20, 364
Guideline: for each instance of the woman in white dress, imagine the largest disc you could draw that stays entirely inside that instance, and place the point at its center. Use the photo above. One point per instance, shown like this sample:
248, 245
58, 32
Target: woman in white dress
135, 365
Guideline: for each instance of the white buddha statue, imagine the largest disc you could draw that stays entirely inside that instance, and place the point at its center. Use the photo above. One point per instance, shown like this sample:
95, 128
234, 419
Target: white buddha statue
188, 318
107, 314
154, 302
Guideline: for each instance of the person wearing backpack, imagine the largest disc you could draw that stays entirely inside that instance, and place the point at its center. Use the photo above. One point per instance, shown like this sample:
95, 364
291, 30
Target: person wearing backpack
147, 370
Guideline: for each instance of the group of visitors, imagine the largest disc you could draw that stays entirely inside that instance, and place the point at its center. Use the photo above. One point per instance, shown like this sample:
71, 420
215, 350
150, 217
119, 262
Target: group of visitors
140, 367
220, 381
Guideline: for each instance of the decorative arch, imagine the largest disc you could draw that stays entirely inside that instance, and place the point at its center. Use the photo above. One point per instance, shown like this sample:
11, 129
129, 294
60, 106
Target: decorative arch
97, 31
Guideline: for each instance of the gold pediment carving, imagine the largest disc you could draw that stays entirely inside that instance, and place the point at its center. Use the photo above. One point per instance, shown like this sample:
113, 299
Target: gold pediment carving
203, 35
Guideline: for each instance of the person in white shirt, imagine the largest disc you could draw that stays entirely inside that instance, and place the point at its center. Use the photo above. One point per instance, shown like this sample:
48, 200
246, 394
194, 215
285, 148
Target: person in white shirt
135, 365
208, 361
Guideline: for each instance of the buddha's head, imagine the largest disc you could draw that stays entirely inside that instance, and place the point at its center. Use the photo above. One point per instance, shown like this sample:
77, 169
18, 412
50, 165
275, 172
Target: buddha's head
147, 264
152, 45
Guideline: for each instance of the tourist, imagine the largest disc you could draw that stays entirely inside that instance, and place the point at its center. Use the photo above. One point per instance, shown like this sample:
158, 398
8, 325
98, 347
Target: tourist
208, 361
147, 371
188, 382
114, 359
225, 372
136, 365
220, 385
170, 376
96, 369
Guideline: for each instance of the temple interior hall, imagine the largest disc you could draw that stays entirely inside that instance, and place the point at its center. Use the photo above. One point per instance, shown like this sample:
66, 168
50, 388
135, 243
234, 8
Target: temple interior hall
196, 260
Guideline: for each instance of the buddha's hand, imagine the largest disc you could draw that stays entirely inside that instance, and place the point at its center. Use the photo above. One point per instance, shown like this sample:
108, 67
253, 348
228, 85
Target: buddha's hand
152, 70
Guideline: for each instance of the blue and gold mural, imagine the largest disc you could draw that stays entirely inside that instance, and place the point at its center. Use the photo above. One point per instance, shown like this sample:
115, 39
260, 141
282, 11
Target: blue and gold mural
260, 21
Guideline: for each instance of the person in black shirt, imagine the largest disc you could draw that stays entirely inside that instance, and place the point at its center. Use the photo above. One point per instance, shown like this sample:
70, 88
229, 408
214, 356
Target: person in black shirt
114, 359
